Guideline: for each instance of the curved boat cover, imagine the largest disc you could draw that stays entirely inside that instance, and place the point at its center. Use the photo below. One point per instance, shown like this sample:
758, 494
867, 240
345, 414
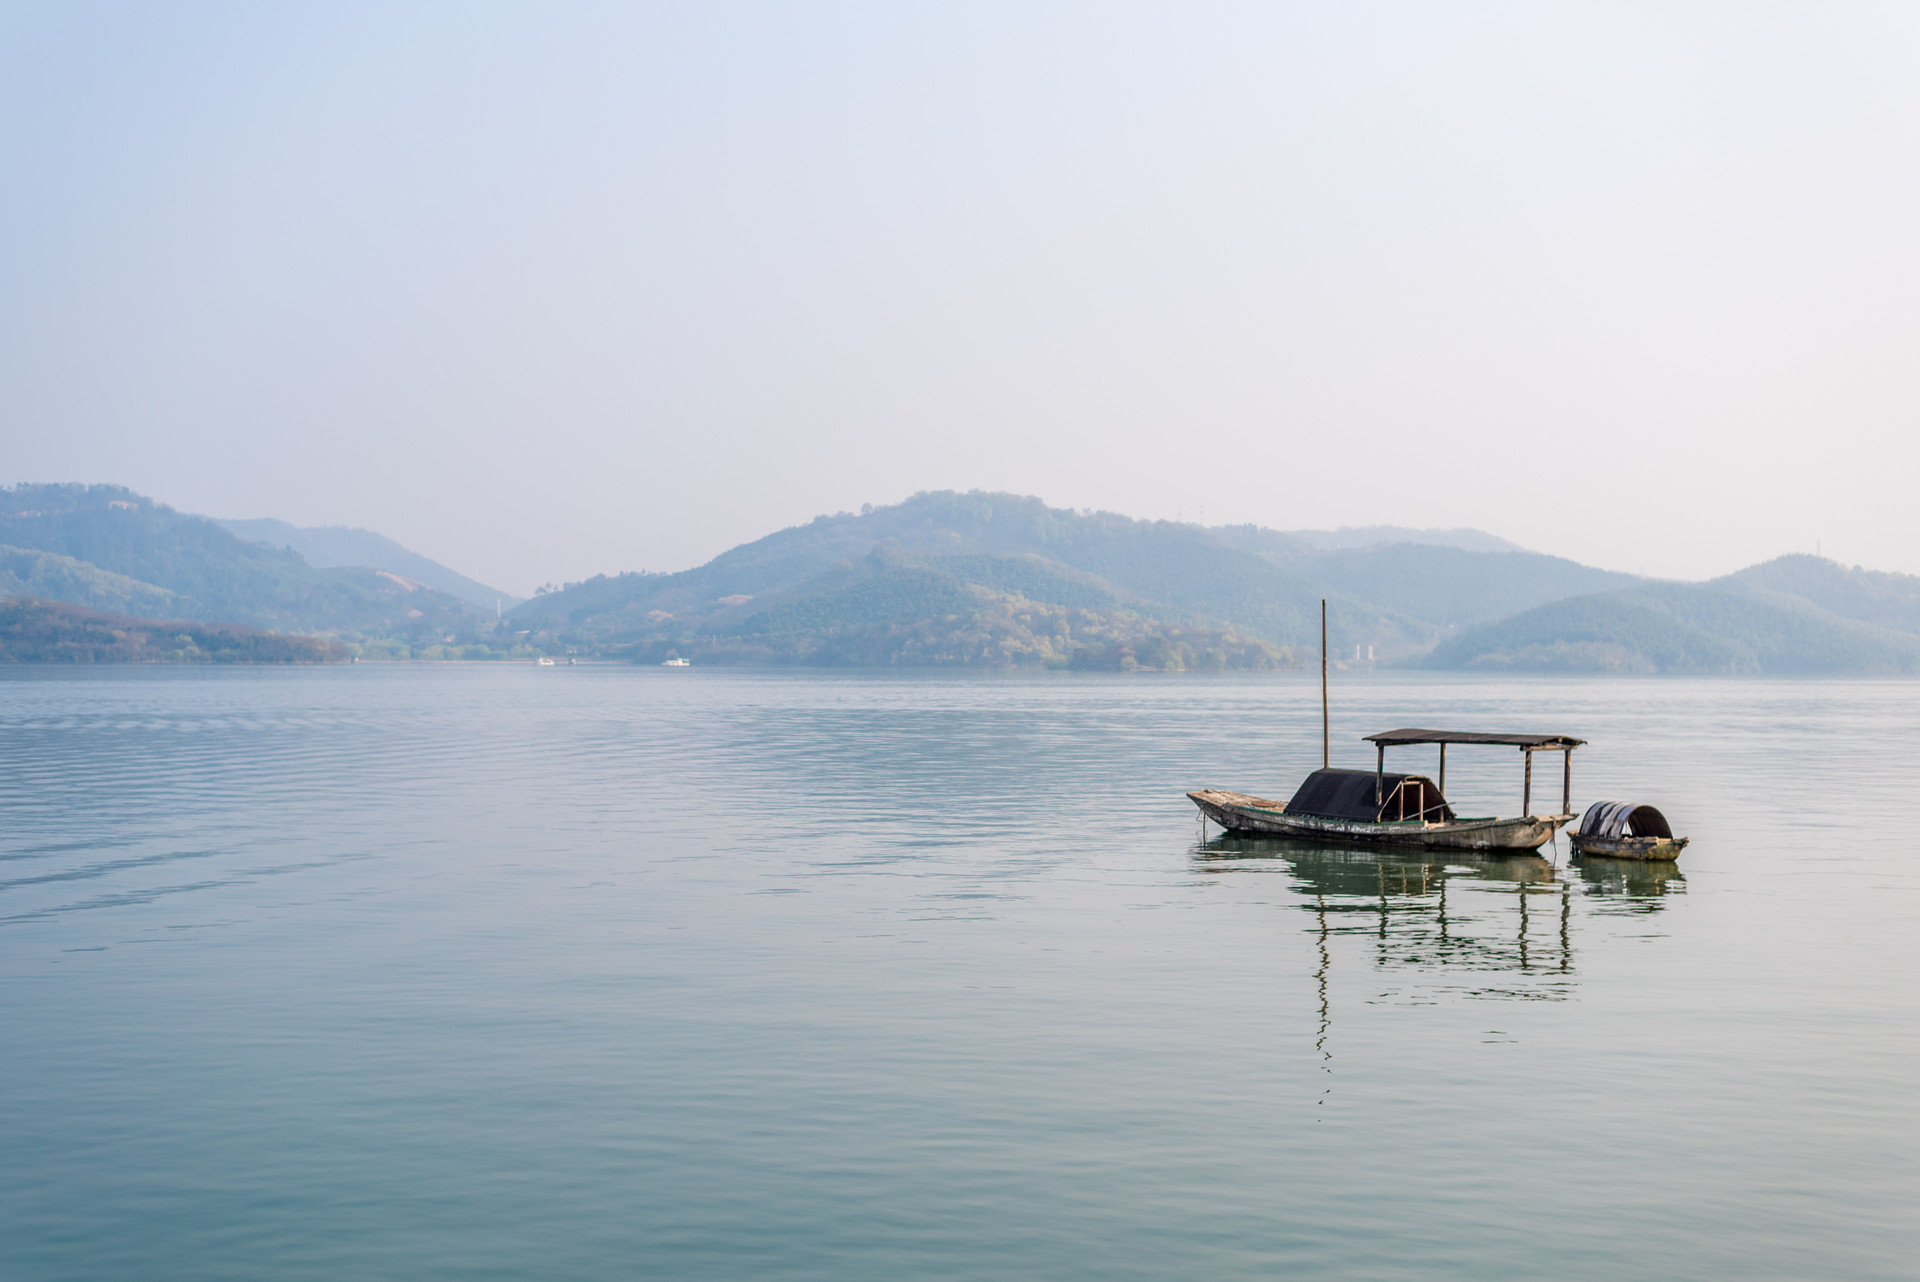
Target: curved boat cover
1623, 818
1349, 794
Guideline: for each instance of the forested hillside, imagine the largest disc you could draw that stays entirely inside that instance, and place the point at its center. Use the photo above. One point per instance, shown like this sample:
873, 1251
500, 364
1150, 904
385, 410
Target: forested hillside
35, 631
988, 578
976, 610
1176, 568
943, 578
1740, 624
1871, 596
108, 546
973, 580
50, 576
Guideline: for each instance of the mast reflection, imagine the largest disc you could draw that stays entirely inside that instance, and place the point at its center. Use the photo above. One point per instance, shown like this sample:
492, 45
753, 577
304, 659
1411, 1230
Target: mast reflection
1434, 928
1493, 927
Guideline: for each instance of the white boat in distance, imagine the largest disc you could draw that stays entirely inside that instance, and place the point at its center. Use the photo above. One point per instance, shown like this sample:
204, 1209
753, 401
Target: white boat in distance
675, 663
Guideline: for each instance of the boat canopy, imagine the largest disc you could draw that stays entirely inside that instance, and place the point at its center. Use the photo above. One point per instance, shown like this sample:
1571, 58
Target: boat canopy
1368, 797
1614, 819
1401, 738
1527, 743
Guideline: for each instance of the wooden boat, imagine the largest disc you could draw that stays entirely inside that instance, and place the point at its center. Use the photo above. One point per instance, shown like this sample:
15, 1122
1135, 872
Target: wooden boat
1239, 813
1372, 807
1625, 830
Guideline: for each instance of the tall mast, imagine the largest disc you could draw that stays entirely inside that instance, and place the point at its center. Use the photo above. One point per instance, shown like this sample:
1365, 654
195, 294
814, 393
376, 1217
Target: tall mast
1326, 755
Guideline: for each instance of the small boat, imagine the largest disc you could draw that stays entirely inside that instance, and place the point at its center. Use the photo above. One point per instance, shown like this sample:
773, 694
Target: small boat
1625, 830
675, 663
1374, 808
544, 661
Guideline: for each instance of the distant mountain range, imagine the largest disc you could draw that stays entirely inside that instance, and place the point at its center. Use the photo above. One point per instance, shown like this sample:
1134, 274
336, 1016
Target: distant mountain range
1796, 614
946, 579
105, 547
992, 579
332, 546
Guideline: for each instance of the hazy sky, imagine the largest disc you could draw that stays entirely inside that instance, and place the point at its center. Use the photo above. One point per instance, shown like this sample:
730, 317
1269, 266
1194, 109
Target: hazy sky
546, 290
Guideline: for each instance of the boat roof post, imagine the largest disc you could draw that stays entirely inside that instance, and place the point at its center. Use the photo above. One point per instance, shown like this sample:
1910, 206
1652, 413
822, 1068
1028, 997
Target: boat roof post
1566, 781
1526, 788
1379, 773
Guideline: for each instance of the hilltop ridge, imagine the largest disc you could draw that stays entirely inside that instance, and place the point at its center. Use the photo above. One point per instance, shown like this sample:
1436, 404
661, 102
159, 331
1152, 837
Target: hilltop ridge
976, 580
984, 578
1795, 614
105, 546
335, 546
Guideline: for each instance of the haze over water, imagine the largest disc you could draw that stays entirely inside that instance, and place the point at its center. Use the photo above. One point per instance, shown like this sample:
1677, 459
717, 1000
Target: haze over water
604, 972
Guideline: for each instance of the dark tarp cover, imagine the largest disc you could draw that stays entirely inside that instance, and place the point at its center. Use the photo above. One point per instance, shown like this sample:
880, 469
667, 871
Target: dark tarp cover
1623, 818
1348, 794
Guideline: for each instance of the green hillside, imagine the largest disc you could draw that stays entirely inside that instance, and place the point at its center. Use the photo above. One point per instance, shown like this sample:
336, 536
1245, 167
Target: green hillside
35, 631
1684, 628
1142, 577
959, 569
330, 546
48, 575
210, 575
127, 534
977, 580
891, 609
1891, 600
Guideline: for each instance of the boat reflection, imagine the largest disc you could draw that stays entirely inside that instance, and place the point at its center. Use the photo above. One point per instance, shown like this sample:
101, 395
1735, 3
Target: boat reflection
1630, 885
1489, 927
1438, 930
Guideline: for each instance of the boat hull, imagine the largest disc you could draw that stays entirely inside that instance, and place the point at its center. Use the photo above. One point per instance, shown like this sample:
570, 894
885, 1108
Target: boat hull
1241, 813
1653, 849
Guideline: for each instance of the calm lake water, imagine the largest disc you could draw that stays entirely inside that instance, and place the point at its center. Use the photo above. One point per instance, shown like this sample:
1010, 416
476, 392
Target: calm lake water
603, 972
